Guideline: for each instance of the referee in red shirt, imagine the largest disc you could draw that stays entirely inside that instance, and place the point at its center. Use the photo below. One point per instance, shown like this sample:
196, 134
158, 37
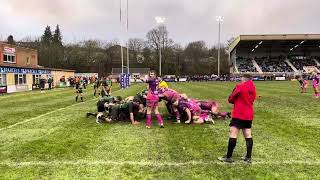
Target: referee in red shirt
242, 98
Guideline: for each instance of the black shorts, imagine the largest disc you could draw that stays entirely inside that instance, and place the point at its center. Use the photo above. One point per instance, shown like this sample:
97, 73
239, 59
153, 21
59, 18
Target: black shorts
240, 124
114, 113
100, 106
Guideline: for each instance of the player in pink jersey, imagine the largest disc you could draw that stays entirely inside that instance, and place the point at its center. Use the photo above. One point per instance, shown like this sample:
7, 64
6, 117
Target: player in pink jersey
153, 99
213, 108
171, 97
315, 84
303, 84
193, 111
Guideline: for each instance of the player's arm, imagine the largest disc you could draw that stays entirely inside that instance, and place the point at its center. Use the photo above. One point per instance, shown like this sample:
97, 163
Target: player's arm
132, 118
234, 95
104, 89
110, 88
253, 95
188, 114
133, 122
144, 94
110, 85
160, 95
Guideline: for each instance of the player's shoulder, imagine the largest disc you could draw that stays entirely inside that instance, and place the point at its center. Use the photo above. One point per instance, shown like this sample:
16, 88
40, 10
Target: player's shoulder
239, 85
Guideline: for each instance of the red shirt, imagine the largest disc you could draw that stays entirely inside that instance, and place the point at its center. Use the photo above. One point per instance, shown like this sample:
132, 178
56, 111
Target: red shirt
243, 97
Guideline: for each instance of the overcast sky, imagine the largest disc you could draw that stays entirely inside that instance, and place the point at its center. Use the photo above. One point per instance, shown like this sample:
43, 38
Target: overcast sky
186, 20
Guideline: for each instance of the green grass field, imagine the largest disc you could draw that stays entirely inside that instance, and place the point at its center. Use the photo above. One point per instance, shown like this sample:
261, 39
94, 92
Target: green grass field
47, 136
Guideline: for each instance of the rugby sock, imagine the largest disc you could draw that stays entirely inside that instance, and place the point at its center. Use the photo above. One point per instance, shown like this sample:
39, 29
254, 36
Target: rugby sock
91, 114
160, 121
249, 143
148, 119
231, 145
81, 98
76, 98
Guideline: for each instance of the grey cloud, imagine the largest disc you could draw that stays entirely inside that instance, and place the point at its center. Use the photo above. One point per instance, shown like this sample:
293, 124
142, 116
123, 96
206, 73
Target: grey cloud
187, 20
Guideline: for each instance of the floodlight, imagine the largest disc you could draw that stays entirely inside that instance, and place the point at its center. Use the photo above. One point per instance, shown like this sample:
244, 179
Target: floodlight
219, 18
160, 19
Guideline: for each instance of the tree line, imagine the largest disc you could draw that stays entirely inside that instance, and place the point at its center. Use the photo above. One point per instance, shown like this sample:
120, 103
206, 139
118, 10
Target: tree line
99, 56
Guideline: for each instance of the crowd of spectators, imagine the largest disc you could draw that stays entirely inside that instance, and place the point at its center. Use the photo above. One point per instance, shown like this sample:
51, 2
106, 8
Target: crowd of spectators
72, 81
273, 64
300, 63
245, 65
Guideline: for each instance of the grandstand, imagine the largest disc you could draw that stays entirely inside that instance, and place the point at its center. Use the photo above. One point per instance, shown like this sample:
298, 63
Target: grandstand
282, 54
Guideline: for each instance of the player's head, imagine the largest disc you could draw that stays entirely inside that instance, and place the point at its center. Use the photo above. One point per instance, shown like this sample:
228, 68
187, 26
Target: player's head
176, 102
184, 96
245, 77
118, 98
163, 85
152, 74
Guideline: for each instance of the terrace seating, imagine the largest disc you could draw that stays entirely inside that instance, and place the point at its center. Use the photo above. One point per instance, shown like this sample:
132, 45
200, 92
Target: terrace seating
300, 63
273, 64
245, 65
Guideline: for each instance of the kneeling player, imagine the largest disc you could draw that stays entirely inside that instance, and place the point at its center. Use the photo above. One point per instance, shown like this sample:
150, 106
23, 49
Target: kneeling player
171, 97
139, 98
213, 108
193, 112
124, 111
103, 107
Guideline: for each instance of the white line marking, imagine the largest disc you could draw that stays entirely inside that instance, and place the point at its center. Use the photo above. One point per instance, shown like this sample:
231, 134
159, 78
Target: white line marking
42, 115
150, 163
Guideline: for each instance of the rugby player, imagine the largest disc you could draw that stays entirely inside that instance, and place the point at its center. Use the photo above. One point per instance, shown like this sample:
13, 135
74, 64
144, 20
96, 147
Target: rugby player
79, 93
153, 99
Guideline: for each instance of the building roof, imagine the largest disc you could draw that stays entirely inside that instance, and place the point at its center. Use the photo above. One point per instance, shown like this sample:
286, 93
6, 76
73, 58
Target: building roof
281, 39
16, 46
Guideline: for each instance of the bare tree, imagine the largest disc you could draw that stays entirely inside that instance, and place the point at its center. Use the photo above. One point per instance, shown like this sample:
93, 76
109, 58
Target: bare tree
136, 45
159, 36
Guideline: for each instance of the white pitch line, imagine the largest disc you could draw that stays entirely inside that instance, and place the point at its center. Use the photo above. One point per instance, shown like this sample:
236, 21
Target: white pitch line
42, 115
149, 163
